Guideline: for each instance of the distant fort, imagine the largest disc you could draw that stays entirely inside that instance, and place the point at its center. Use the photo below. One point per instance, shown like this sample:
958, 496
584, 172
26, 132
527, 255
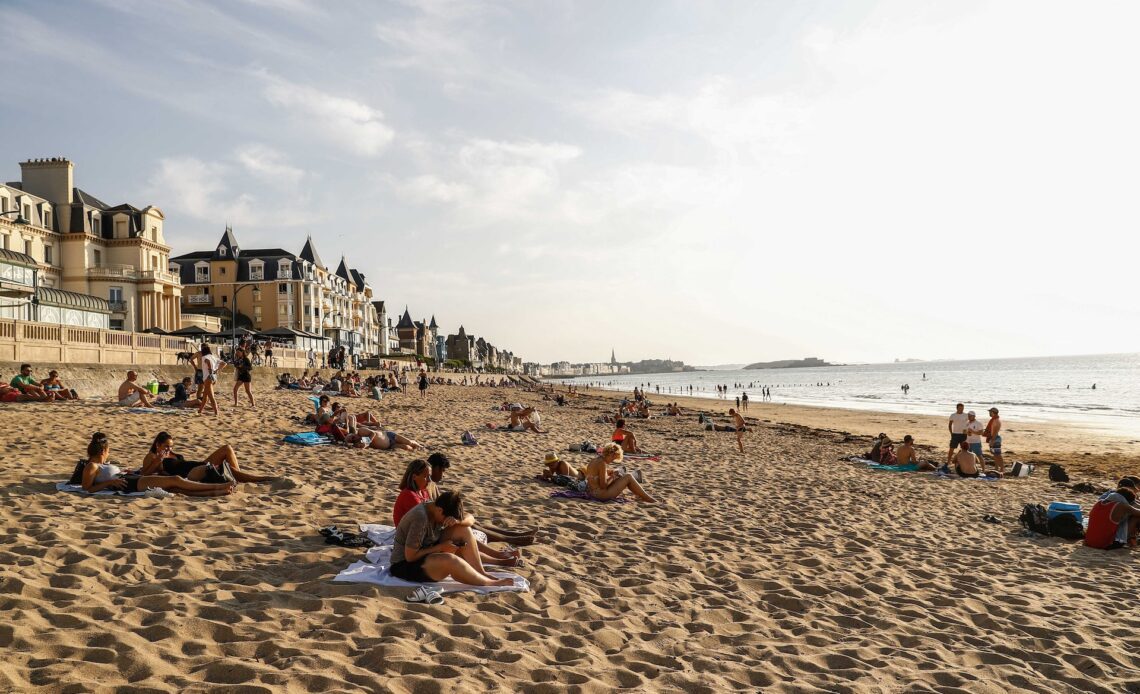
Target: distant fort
790, 364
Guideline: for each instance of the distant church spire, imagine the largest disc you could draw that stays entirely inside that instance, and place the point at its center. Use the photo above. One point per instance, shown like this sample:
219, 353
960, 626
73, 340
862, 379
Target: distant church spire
613, 358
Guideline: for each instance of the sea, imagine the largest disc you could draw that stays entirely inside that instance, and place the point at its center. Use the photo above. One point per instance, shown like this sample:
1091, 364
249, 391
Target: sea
1096, 391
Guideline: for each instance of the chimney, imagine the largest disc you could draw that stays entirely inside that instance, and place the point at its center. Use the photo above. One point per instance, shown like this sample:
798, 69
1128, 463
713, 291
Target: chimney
50, 179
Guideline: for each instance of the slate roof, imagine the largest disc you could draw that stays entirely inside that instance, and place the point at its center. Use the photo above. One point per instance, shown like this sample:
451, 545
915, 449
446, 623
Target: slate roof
309, 253
406, 320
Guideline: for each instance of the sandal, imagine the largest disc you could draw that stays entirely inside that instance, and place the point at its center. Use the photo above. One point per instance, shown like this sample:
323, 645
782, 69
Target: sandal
428, 596
988, 518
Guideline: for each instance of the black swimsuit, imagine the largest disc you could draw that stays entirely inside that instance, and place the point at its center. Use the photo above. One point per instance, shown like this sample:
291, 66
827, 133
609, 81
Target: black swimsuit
178, 466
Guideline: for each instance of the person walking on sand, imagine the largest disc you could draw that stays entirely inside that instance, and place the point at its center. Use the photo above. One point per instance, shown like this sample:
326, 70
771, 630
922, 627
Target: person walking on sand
957, 427
244, 375
404, 381
993, 438
423, 384
744, 402
211, 366
738, 423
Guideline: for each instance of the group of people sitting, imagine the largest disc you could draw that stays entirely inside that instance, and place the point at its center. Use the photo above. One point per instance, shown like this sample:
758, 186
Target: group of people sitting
523, 418
597, 479
363, 430
162, 469
26, 388
437, 538
964, 462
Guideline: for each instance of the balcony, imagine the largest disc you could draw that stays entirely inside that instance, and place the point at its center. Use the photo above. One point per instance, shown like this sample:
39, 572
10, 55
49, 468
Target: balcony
199, 299
159, 276
118, 306
112, 272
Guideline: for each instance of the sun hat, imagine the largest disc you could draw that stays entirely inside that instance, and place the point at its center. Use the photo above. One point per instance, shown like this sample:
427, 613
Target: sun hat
553, 458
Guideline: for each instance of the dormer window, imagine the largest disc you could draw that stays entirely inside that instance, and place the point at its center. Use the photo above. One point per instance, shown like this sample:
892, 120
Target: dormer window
284, 268
222, 251
256, 270
202, 272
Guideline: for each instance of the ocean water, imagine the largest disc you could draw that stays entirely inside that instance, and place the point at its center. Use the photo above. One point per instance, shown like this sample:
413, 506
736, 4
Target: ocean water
1026, 389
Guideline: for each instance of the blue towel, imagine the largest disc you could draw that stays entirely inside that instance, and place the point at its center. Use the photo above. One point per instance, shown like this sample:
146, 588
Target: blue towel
307, 438
911, 467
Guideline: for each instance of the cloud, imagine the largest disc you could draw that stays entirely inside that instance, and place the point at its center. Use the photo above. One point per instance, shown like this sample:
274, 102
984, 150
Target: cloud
351, 125
269, 165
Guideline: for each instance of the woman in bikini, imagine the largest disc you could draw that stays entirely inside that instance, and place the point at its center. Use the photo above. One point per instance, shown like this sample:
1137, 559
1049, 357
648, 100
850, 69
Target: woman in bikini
162, 460
382, 440
96, 474
603, 484
211, 366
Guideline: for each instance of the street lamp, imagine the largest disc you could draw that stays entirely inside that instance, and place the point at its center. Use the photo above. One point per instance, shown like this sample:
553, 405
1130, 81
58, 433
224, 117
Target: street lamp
20, 219
233, 311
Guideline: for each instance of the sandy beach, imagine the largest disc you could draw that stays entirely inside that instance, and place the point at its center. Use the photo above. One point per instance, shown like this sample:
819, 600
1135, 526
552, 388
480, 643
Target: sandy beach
783, 569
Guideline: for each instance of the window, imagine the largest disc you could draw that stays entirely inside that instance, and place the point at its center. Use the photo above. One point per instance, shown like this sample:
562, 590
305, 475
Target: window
284, 309
47, 219
47, 254
257, 315
223, 272
225, 299
284, 268
116, 324
97, 258
120, 228
115, 294
95, 225
28, 246
4, 238
4, 203
256, 271
222, 251
202, 272
283, 288
27, 212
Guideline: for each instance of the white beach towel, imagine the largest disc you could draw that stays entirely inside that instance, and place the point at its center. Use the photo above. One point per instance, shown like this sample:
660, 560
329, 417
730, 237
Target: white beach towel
378, 559
78, 489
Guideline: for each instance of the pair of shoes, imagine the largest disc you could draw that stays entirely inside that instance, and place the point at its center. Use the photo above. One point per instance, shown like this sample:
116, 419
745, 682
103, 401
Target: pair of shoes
426, 595
157, 493
988, 518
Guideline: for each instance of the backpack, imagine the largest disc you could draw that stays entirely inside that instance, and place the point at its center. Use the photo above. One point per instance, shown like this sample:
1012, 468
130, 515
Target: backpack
1057, 473
1034, 518
1067, 526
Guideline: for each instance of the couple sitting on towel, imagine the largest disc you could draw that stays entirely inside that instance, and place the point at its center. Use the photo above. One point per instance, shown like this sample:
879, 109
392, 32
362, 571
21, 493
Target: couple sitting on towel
436, 537
357, 430
596, 479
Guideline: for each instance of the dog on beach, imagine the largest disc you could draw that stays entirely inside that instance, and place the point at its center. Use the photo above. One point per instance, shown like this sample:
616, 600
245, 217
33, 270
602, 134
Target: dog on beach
184, 357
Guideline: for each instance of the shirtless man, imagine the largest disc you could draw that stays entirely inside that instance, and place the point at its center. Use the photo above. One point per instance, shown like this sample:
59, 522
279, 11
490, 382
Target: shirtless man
993, 438
526, 419
907, 455
966, 462
132, 394
738, 422
625, 438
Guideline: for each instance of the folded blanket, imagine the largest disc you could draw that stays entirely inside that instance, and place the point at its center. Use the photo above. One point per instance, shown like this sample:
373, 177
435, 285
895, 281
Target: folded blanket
307, 438
571, 494
375, 569
78, 489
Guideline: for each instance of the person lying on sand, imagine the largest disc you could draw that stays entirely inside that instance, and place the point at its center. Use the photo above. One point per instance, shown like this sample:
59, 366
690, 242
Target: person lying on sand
965, 462
439, 464
132, 394
557, 466
1114, 520
602, 483
431, 545
908, 455
526, 419
162, 460
351, 421
416, 488
382, 440
625, 438
97, 474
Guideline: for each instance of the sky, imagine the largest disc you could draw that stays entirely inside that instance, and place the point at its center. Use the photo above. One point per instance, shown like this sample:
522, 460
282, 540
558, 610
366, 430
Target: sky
714, 182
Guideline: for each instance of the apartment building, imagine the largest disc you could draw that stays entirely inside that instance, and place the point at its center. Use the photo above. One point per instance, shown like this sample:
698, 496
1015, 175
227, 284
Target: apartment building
83, 246
270, 288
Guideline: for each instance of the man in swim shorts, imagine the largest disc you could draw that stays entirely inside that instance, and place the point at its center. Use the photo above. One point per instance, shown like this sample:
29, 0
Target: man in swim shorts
131, 393
738, 422
993, 437
957, 427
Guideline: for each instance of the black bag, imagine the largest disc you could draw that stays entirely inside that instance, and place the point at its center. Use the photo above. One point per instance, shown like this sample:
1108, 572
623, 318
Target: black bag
1067, 526
1034, 518
1057, 473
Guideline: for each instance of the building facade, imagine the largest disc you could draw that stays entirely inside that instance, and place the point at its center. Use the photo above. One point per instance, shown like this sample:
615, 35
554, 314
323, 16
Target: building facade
266, 288
117, 254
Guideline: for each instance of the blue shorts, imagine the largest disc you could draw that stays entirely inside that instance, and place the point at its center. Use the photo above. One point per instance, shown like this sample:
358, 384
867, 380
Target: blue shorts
995, 445
976, 449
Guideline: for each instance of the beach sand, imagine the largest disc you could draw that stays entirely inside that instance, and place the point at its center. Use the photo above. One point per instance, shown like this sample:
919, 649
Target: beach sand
783, 569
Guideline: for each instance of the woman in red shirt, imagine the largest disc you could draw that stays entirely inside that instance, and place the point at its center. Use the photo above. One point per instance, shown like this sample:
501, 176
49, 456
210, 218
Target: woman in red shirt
414, 489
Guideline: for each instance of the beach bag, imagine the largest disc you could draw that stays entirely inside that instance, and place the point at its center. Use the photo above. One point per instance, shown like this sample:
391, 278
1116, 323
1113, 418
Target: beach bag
575, 448
588, 447
1020, 470
1058, 474
468, 439
1034, 518
1067, 526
